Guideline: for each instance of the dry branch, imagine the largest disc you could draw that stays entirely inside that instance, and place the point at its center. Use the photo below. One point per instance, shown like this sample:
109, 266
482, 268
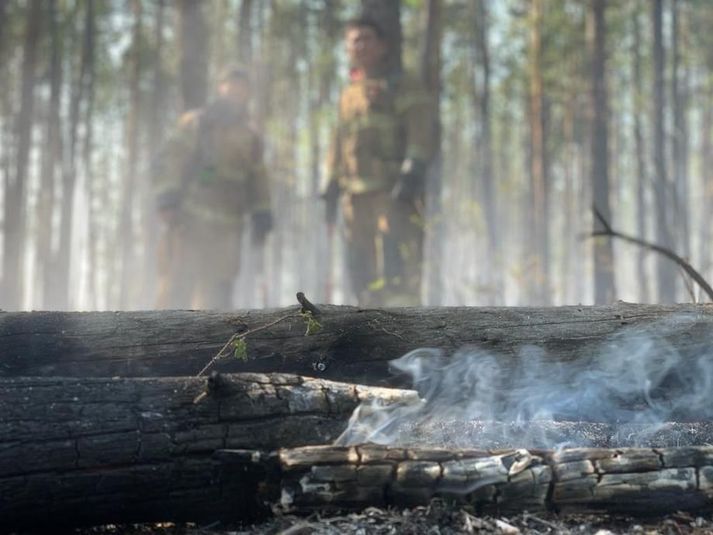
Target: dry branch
609, 232
353, 345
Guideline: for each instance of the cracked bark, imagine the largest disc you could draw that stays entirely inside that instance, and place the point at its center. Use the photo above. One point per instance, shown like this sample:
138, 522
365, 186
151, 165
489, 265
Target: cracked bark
639, 481
122, 450
353, 345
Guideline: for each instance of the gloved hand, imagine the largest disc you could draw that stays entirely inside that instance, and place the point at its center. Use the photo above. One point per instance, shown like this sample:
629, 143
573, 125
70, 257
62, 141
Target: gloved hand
261, 226
331, 199
411, 182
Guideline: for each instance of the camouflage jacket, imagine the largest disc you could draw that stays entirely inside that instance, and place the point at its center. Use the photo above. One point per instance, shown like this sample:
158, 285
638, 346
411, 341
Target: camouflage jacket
215, 166
381, 121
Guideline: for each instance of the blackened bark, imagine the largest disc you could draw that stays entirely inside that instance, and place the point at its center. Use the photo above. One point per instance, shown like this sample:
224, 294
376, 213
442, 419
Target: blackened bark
636, 481
353, 345
98, 451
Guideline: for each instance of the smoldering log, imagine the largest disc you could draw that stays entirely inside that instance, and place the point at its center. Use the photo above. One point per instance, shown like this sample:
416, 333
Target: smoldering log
540, 434
79, 452
354, 345
631, 481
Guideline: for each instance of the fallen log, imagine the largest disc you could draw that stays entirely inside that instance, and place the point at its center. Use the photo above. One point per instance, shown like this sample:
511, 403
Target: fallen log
631, 481
352, 344
79, 452
543, 434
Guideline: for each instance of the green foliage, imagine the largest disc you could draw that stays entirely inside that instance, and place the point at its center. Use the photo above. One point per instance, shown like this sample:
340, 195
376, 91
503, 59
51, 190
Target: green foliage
313, 326
376, 285
240, 349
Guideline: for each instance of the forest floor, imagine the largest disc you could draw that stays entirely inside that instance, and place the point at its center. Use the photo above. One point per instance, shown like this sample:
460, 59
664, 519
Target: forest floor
435, 519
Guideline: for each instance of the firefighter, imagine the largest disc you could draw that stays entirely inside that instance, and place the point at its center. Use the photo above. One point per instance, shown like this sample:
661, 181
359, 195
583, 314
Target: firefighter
209, 176
376, 171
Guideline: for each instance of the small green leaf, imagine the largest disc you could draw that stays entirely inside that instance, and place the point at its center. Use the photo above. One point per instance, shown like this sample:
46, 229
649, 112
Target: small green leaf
240, 349
313, 326
376, 285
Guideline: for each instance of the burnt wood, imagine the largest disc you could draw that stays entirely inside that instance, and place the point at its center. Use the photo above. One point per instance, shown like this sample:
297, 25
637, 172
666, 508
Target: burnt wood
86, 451
353, 344
631, 481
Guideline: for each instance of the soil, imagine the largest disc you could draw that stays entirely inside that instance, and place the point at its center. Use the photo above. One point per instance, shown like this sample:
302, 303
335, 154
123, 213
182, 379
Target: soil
436, 519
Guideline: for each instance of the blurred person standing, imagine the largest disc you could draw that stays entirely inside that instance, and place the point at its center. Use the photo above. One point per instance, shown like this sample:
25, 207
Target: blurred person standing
376, 171
208, 177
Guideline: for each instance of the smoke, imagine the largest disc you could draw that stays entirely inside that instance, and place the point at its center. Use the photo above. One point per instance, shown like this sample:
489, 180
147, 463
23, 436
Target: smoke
628, 391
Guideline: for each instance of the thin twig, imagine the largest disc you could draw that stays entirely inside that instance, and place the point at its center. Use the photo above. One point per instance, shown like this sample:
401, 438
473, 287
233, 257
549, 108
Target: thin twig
689, 287
690, 271
238, 336
542, 521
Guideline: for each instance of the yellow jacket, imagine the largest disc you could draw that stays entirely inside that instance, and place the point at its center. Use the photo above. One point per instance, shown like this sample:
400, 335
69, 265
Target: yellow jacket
381, 121
214, 164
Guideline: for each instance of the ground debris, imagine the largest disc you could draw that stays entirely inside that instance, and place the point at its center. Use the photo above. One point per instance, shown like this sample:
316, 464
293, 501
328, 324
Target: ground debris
438, 518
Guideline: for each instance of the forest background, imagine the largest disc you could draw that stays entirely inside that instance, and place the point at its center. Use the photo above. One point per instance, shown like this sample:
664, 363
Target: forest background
546, 107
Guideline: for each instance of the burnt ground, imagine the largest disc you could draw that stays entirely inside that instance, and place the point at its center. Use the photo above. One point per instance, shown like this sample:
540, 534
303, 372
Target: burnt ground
435, 519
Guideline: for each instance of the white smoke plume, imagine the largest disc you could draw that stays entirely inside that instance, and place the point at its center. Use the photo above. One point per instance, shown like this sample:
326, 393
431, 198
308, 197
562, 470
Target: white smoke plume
636, 389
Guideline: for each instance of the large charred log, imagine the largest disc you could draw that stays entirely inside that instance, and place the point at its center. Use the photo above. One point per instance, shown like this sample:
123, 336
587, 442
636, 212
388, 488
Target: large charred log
353, 345
101, 451
78, 452
632, 481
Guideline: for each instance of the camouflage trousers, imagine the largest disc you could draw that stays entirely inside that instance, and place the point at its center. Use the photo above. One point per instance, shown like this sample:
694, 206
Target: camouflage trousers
384, 242
197, 265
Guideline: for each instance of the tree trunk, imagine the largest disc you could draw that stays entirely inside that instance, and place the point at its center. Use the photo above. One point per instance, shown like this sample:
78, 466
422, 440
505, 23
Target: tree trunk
679, 139
14, 199
193, 53
60, 296
353, 345
387, 13
245, 32
3, 15
96, 182
642, 172
706, 200
51, 159
431, 75
539, 284
636, 481
666, 275
490, 199
154, 129
127, 236
139, 450
604, 290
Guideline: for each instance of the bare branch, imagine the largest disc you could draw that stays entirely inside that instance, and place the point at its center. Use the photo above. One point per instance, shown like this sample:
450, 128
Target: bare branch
687, 268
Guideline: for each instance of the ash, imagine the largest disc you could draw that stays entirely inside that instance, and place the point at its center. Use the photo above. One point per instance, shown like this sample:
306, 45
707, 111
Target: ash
546, 434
